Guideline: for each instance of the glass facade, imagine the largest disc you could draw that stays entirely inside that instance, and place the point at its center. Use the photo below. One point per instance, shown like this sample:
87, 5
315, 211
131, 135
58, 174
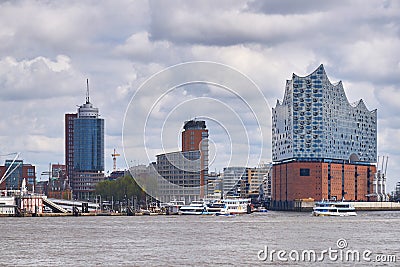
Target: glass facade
316, 121
88, 145
87, 149
181, 175
15, 175
232, 177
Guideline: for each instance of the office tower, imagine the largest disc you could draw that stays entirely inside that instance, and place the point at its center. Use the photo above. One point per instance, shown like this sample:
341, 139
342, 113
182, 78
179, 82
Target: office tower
69, 143
195, 137
184, 172
322, 145
87, 151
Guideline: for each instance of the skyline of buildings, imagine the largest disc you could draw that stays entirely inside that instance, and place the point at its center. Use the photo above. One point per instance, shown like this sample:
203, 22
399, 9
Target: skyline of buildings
323, 147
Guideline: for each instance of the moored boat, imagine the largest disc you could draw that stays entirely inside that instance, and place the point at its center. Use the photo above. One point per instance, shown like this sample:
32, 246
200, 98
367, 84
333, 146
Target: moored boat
215, 207
236, 205
195, 208
172, 208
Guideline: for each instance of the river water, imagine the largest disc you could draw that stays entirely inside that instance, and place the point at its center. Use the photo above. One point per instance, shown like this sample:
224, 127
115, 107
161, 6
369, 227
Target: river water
200, 240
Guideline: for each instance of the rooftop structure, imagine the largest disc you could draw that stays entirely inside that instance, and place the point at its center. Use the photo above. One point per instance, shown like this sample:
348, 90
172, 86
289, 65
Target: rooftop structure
316, 121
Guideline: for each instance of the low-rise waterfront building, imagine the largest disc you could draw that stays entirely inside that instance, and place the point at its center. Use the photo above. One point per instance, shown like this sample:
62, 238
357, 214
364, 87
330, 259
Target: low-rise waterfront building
397, 192
58, 183
232, 178
7, 206
214, 186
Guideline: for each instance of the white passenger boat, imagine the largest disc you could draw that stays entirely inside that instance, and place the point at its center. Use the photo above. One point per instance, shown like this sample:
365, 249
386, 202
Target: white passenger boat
195, 208
215, 207
333, 208
236, 205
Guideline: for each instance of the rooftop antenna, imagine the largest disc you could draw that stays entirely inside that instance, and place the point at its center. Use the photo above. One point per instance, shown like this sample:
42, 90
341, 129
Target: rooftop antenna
87, 91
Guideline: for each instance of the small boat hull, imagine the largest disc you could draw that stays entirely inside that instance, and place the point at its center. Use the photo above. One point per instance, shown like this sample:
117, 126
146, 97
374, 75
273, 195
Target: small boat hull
334, 214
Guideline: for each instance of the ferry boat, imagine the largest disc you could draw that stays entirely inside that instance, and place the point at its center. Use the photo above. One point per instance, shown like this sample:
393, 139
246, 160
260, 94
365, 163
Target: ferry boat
195, 208
236, 205
333, 208
215, 207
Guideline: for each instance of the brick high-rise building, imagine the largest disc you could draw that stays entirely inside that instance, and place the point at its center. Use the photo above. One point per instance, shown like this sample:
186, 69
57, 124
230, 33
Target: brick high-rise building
322, 145
195, 137
185, 172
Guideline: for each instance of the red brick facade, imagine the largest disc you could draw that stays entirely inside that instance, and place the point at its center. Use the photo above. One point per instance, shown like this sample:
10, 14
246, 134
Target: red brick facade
191, 140
300, 180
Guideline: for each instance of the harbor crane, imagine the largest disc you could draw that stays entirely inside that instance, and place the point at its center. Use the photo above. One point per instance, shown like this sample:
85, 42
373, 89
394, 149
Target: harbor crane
379, 182
114, 157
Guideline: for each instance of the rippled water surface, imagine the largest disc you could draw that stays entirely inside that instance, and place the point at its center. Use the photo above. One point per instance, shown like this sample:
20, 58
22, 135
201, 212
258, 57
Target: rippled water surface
192, 240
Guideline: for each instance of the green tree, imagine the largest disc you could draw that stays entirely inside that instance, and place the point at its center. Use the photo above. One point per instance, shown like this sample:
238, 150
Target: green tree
121, 189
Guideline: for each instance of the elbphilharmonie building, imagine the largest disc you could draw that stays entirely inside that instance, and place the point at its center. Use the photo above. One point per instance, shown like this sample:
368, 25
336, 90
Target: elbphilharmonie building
321, 141
316, 121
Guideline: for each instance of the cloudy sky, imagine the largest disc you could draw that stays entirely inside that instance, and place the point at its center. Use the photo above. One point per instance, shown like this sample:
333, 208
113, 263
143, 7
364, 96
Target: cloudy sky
49, 48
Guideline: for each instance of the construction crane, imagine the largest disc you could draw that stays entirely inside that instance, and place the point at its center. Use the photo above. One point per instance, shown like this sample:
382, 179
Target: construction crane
115, 155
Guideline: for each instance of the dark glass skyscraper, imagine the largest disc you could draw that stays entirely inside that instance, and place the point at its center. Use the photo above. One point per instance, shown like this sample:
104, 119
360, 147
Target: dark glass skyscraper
88, 144
87, 150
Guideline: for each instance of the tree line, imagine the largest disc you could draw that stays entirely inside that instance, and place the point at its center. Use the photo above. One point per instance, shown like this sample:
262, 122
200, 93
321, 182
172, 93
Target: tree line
122, 189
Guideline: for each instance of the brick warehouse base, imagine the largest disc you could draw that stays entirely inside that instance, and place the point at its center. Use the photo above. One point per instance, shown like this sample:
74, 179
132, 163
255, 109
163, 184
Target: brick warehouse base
320, 180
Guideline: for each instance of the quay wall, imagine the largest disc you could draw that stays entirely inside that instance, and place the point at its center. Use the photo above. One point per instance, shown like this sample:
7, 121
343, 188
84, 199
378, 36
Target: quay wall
376, 206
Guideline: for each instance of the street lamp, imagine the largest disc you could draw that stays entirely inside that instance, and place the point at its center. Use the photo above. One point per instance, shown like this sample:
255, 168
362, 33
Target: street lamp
99, 203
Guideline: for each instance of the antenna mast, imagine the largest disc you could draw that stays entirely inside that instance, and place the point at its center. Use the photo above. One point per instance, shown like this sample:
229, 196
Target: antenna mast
87, 91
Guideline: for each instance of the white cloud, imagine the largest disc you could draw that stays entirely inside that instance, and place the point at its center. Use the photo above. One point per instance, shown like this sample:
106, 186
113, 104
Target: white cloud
36, 78
49, 51
138, 47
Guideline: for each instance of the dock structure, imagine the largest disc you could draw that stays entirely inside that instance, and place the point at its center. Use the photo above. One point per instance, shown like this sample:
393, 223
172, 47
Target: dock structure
55, 208
16, 203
